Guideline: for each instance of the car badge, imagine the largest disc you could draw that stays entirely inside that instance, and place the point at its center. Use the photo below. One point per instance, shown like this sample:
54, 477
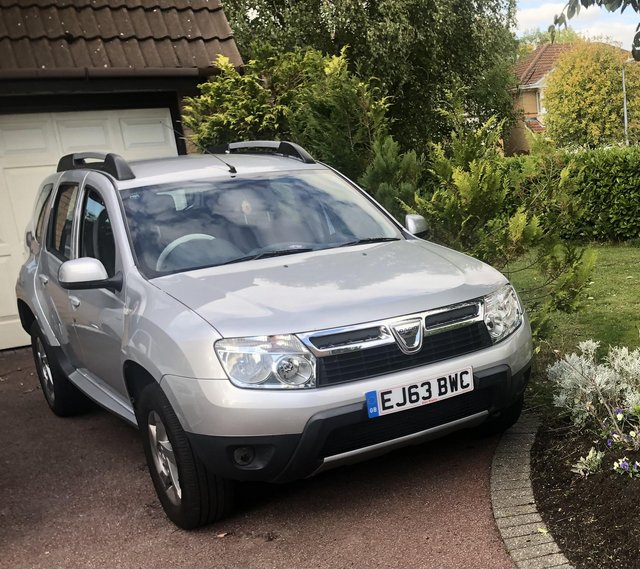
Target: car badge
408, 335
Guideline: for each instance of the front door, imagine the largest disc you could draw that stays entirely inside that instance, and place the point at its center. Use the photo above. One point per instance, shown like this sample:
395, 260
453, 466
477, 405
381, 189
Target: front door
98, 314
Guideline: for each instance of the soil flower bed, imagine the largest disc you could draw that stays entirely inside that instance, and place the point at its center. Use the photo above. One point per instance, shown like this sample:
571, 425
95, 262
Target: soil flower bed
595, 520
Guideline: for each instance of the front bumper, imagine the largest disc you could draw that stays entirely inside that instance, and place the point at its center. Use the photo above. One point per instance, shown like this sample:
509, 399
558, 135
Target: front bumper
345, 434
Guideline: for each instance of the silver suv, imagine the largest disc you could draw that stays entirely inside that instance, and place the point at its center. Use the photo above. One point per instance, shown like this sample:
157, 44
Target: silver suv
258, 317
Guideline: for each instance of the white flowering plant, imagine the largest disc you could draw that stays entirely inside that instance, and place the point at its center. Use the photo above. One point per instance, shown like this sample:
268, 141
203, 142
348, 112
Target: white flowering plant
602, 396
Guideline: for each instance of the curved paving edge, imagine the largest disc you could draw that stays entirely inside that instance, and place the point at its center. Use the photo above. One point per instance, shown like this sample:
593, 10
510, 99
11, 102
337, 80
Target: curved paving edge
525, 535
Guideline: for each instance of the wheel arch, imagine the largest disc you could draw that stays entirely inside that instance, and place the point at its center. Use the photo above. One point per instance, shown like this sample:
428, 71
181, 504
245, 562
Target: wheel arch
27, 317
136, 379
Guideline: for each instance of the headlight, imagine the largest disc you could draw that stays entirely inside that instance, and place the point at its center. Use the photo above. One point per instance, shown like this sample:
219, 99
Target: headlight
502, 313
267, 362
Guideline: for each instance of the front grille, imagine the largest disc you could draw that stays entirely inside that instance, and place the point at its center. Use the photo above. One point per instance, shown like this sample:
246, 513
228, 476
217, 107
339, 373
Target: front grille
365, 363
388, 427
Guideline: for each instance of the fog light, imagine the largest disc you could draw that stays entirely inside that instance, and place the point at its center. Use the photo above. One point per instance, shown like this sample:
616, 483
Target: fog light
243, 456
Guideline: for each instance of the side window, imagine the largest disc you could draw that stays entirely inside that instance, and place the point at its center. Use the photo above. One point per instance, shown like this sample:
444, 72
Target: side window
96, 235
59, 239
42, 207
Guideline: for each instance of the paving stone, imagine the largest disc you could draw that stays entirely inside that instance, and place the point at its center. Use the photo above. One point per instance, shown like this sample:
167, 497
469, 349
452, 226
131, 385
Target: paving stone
499, 512
527, 540
512, 484
546, 562
534, 551
524, 493
505, 469
508, 502
533, 518
517, 531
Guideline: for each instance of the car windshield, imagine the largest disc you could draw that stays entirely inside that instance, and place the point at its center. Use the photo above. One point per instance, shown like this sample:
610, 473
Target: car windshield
204, 223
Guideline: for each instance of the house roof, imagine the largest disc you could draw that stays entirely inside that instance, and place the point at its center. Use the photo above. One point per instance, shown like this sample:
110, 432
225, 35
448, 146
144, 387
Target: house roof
530, 69
73, 38
534, 125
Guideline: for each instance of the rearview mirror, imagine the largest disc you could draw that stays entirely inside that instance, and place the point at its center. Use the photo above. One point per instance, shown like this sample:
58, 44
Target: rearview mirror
87, 273
415, 224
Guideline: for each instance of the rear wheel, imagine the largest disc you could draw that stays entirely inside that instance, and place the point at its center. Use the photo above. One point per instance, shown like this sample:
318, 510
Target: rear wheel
63, 398
190, 495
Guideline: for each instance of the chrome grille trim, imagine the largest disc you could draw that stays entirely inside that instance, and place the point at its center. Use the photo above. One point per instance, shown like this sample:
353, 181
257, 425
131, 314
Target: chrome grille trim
385, 336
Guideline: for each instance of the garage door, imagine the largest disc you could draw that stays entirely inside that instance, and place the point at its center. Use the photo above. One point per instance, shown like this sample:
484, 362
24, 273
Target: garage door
30, 147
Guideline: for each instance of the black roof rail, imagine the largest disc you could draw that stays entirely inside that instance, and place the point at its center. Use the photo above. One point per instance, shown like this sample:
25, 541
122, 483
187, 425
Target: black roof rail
110, 163
266, 146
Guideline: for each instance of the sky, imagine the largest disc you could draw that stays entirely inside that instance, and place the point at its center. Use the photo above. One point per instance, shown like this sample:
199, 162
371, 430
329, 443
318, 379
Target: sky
594, 22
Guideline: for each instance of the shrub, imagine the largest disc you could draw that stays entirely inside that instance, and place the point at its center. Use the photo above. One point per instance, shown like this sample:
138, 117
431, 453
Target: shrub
487, 206
589, 464
303, 96
393, 177
608, 186
601, 190
602, 396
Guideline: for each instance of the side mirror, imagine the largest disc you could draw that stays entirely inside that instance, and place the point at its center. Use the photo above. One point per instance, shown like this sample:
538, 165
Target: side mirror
28, 239
415, 224
87, 273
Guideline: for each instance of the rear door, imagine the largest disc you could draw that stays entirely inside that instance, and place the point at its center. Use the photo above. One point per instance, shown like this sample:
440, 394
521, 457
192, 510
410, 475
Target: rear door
58, 249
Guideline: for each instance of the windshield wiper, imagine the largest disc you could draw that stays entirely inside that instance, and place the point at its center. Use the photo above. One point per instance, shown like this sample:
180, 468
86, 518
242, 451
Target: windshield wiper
267, 254
368, 240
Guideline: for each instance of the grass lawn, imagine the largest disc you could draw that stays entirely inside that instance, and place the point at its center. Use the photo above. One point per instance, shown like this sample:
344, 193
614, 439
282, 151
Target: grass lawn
610, 310
593, 519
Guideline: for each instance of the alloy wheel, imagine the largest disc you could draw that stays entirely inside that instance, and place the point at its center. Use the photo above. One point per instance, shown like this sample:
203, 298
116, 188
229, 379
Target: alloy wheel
164, 459
45, 370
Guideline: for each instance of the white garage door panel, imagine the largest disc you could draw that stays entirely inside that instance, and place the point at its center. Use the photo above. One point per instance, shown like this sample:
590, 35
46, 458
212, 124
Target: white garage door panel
30, 147
140, 134
27, 141
82, 134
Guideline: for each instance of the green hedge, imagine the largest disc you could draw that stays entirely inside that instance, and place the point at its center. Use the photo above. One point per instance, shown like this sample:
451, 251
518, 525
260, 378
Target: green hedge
604, 184
608, 186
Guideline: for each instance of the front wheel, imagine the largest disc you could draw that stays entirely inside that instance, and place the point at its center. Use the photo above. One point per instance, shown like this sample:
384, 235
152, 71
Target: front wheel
190, 495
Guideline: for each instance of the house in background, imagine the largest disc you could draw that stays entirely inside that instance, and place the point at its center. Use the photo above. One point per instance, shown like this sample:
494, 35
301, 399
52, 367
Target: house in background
105, 75
531, 72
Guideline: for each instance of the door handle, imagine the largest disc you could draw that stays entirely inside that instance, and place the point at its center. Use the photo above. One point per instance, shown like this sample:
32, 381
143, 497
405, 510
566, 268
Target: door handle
75, 301
44, 279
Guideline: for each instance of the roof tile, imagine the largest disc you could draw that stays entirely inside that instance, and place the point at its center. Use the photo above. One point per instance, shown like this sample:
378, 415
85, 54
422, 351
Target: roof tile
138, 34
538, 63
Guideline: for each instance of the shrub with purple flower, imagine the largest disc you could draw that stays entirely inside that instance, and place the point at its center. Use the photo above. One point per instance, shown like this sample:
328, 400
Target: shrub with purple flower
602, 396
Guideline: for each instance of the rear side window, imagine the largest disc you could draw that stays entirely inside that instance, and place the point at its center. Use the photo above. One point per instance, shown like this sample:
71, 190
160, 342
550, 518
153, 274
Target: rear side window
42, 206
59, 241
96, 235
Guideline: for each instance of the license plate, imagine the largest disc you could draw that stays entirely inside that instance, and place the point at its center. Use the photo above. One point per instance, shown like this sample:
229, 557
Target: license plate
424, 392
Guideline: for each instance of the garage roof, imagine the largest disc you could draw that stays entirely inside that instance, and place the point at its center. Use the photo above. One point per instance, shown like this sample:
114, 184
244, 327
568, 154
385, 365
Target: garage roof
73, 38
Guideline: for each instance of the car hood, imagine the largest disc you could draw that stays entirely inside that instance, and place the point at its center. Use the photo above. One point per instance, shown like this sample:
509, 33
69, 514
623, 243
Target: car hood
330, 288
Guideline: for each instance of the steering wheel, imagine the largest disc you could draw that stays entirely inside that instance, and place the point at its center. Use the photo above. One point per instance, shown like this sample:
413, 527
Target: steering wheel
162, 264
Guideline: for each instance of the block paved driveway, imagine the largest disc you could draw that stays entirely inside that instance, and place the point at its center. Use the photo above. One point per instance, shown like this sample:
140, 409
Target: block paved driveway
76, 493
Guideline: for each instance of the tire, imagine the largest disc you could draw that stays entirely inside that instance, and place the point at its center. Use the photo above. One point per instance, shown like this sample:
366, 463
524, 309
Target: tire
190, 495
63, 398
508, 417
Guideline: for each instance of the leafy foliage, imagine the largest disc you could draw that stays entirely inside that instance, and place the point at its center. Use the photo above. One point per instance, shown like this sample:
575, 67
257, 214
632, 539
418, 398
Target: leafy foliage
601, 197
589, 464
584, 97
607, 183
572, 9
393, 177
492, 209
534, 38
303, 96
417, 50
601, 396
